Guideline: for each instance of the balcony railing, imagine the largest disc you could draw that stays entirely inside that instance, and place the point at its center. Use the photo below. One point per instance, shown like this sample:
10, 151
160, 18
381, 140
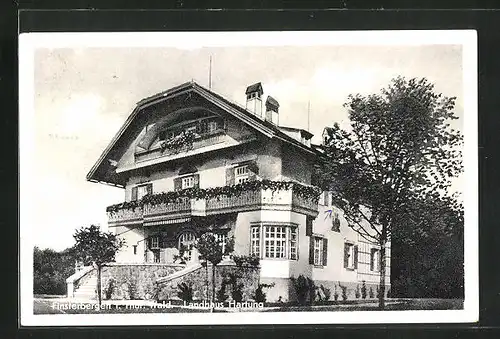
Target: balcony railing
178, 207
126, 215
246, 200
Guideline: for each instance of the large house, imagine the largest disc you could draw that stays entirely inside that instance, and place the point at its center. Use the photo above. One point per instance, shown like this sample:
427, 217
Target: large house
191, 161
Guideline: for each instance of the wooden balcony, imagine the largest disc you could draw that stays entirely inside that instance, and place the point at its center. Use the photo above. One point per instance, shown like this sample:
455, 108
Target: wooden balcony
125, 216
265, 199
249, 200
262, 199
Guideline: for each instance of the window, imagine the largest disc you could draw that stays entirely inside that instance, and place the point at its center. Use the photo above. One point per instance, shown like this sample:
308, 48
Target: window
255, 241
154, 242
186, 242
275, 242
293, 243
241, 174
318, 251
375, 260
280, 242
350, 256
187, 182
138, 192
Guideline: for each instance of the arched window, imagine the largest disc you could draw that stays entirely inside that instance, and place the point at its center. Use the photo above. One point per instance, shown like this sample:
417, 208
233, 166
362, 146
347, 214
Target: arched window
186, 242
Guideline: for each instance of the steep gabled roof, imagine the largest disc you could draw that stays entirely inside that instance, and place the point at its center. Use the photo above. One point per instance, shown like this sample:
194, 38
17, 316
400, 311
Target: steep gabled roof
264, 127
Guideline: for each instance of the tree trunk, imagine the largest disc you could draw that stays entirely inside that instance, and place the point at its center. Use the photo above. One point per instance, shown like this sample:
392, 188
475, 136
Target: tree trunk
207, 287
213, 286
99, 285
381, 296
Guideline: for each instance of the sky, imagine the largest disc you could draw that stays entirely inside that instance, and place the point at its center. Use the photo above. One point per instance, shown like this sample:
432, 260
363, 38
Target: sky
84, 95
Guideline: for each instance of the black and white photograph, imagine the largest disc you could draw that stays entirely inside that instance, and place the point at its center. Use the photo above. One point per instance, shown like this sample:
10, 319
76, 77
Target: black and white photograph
248, 177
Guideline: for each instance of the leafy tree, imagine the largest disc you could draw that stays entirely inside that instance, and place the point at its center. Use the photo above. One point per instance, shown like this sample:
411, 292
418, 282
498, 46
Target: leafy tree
97, 248
398, 149
50, 270
427, 256
210, 251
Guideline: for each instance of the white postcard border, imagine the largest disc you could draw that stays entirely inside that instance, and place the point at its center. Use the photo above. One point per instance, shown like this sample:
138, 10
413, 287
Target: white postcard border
28, 42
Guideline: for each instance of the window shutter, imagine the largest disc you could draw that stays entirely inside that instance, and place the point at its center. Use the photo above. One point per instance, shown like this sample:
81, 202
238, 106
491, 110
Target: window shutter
346, 255
379, 260
356, 257
150, 188
177, 184
196, 178
325, 251
134, 193
372, 254
230, 176
311, 250
309, 224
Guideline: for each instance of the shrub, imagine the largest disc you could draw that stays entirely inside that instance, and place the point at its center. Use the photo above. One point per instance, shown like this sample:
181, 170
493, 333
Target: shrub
335, 293
327, 294
305, 289
344, 292
357, 292
259, 295
132, 290
185, 292
363, 290
109, 289
221, 295
372, 295
236, 288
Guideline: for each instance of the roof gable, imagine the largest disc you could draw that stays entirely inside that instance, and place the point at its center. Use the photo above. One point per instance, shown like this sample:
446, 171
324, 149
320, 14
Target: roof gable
103, 169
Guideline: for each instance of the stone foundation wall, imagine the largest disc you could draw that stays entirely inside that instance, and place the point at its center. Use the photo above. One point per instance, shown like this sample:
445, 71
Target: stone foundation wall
197, 279
133, 281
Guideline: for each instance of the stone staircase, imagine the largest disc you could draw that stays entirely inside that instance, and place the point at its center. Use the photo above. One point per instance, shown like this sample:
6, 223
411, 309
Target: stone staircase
87, 288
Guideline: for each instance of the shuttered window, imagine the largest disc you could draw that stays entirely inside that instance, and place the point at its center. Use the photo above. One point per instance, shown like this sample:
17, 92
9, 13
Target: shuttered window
185, 182
320, 251
139, 191
350, 256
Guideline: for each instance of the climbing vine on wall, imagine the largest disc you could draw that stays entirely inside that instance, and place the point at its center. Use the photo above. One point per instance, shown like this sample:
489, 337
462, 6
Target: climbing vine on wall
308, 192
183, 139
